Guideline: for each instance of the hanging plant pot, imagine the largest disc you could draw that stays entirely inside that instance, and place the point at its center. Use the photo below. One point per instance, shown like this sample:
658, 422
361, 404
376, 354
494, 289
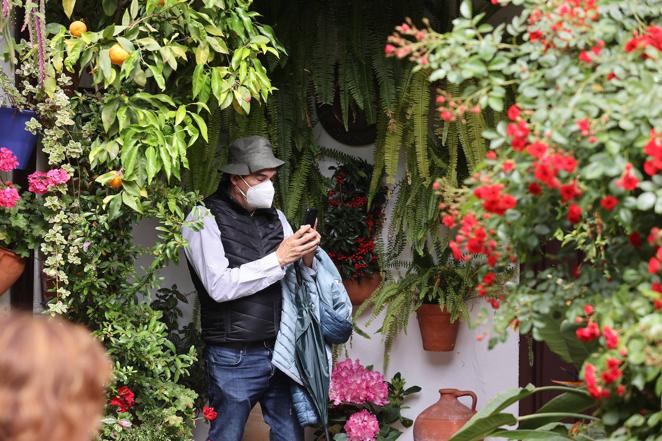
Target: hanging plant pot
11, 268
14, 136
437, 331
360, 289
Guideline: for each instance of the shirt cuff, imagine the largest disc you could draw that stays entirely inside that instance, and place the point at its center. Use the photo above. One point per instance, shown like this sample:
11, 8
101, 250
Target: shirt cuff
271, 264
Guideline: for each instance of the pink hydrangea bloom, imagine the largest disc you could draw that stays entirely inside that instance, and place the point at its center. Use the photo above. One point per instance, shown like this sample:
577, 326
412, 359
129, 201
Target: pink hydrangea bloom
8, 197
351, 383
362, 426
8, 161
40, 182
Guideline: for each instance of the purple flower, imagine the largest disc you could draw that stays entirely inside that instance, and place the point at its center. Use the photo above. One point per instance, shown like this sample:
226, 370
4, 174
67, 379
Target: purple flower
362, 426
5, 8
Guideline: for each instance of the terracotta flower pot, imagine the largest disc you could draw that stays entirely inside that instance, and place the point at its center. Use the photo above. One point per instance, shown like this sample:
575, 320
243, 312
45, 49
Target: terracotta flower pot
437, 331
360, 289
441, 420
11, 268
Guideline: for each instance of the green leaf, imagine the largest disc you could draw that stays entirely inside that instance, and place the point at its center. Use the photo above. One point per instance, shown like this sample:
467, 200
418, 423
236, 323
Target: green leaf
108, 113
129, 156
131, 202
198, 79
68, 6
466, 9
109, 6
574, 402
646, 201
479, 428
201, 124
529, 434
202, 53
495, 103
158, 75
180, 115
151, 166
104, 63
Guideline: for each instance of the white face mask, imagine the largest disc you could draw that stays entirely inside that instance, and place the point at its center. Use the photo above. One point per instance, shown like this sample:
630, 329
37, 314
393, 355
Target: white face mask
261, 195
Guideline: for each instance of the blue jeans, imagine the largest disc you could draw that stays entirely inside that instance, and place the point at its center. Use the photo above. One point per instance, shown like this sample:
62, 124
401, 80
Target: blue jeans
238, 379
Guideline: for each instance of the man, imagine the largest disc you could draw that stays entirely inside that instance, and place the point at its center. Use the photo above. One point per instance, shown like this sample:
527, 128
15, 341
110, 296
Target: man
237, 262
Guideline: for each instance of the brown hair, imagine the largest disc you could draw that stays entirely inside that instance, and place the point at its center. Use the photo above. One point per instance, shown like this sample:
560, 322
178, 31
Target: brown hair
52, 380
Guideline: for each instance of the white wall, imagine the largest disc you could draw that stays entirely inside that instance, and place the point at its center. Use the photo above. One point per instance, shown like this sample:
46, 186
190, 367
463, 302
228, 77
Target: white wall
470, 367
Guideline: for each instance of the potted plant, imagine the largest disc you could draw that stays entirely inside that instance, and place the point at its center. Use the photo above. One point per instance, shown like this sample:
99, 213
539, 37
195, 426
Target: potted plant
13, 113
363, 405
351, 224
21, 220
18, 226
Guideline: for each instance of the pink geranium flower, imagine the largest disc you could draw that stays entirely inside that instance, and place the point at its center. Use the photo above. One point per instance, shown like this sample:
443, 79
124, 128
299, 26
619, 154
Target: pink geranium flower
8, 161
40, 182
8, 197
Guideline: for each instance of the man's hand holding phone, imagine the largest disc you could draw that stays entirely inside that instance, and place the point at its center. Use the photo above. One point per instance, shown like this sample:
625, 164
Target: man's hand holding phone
302, 244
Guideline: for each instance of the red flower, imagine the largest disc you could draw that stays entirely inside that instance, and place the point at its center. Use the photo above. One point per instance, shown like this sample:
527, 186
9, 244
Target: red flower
628, 181
570, 191
635, 239
124, 400
446, 115
537, 149
653, 265
448, 221
611, 76
611, 338
609, 202
389, 49
535, 189
588, 309
491, 155
508, 166
513, 112
574, 214
519, 132
209, 413
535, 35
584, 126
585, 57
589, 333
489, 278
546, 173
566, 163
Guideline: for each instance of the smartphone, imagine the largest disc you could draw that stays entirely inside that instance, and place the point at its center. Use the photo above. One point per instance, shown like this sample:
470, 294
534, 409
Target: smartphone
310, 217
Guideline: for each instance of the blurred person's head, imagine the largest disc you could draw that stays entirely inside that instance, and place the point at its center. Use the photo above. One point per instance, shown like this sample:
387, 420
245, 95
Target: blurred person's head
52, 380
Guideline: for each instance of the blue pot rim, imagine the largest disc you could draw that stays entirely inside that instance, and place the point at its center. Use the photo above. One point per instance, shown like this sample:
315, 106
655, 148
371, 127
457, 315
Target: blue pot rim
8, 109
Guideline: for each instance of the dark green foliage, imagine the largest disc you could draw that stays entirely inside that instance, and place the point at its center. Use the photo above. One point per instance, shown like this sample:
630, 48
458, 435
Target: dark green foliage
350, 226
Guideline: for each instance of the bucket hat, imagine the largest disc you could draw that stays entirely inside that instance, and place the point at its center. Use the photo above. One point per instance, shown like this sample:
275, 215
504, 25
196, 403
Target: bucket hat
250, 154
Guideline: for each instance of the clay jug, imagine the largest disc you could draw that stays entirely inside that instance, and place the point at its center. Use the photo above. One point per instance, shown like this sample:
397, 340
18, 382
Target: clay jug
360, 289
437, 331
441, 420
11, 268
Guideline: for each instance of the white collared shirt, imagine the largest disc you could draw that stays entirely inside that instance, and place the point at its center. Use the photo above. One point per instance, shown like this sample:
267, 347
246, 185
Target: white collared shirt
206, 254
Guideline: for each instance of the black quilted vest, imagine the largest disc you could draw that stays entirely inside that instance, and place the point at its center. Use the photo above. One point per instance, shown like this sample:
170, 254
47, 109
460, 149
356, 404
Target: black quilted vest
245, 238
